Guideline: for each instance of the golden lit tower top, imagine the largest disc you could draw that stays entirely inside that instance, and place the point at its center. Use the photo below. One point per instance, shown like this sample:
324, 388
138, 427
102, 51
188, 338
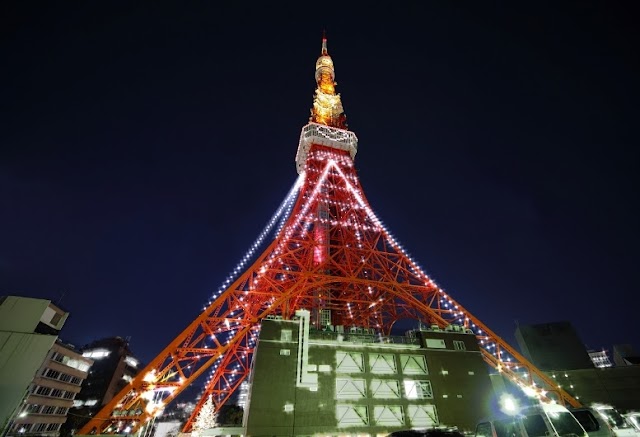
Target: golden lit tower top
328, 125
327, 107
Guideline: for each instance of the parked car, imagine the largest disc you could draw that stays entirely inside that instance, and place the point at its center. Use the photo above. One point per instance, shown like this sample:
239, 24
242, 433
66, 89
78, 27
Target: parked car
540, 421
617, 422
431, 432
634, 419
592, 422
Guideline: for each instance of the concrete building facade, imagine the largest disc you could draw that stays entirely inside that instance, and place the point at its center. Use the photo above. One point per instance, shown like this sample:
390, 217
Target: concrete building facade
28, 330
114, 366
51, 393
306, 382
557, 349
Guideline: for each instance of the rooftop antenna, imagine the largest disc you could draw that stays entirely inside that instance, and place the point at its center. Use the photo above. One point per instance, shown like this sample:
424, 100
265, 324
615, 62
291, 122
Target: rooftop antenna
61, 295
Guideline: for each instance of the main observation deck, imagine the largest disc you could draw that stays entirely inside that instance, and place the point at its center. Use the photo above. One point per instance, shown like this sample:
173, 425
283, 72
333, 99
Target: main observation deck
315, 133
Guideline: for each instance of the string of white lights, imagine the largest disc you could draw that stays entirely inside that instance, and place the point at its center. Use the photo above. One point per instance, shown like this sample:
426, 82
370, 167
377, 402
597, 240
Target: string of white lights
286, 205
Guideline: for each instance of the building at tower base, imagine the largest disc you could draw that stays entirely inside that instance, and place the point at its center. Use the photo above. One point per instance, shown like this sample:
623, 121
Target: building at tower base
346, 381
557, 349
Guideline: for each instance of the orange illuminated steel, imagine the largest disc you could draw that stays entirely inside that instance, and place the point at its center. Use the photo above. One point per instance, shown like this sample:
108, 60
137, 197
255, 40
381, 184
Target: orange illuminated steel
332, 256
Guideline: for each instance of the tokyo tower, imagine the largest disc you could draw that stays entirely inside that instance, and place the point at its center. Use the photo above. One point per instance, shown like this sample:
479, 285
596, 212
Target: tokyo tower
331, 256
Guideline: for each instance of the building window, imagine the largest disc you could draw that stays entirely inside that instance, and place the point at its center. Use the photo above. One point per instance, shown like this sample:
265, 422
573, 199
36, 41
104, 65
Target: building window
349, 362
56, 319
50, 373
43, 391
385, 389
39, 427
75, 380
96, 354
69, 395
58, 357
417, 389
62, 411
435, 343
48, 409
22, 427
33, 408
53, 427
352, 415
348, 388
382, 363
57, 393
286, 335
388, 415
459, 345
413, 364
77, 364
65, 378
131, 362
325, 317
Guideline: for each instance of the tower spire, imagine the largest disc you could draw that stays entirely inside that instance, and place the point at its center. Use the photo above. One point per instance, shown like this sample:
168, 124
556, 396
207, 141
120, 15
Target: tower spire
327, 107
324, 44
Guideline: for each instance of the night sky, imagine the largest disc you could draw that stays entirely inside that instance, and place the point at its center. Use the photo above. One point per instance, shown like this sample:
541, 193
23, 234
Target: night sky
144, 146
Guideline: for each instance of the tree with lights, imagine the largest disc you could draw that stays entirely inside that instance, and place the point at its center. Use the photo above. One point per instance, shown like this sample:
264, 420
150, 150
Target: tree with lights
206, 417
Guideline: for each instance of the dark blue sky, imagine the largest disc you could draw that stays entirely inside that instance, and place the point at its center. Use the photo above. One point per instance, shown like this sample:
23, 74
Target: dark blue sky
143, 148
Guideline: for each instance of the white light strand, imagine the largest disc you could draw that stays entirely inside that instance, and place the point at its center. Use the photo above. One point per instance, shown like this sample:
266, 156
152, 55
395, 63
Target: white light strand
286, 205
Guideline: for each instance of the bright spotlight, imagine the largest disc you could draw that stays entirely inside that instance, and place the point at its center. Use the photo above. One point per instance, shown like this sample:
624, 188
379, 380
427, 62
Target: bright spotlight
509, 405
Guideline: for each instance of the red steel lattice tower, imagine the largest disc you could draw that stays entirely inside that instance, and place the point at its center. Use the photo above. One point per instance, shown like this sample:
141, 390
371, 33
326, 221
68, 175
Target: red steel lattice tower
332, 256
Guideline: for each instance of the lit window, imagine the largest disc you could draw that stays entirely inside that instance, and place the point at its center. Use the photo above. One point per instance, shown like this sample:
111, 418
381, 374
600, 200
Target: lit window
131, 361
418, 389
78, 364
96, 354
91, 402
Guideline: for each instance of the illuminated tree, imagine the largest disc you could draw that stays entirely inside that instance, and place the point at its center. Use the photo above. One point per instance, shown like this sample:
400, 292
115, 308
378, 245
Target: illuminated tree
206, 418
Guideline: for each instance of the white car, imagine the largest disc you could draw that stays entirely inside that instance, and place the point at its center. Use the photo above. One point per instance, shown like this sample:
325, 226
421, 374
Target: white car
634, 419
619, 424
